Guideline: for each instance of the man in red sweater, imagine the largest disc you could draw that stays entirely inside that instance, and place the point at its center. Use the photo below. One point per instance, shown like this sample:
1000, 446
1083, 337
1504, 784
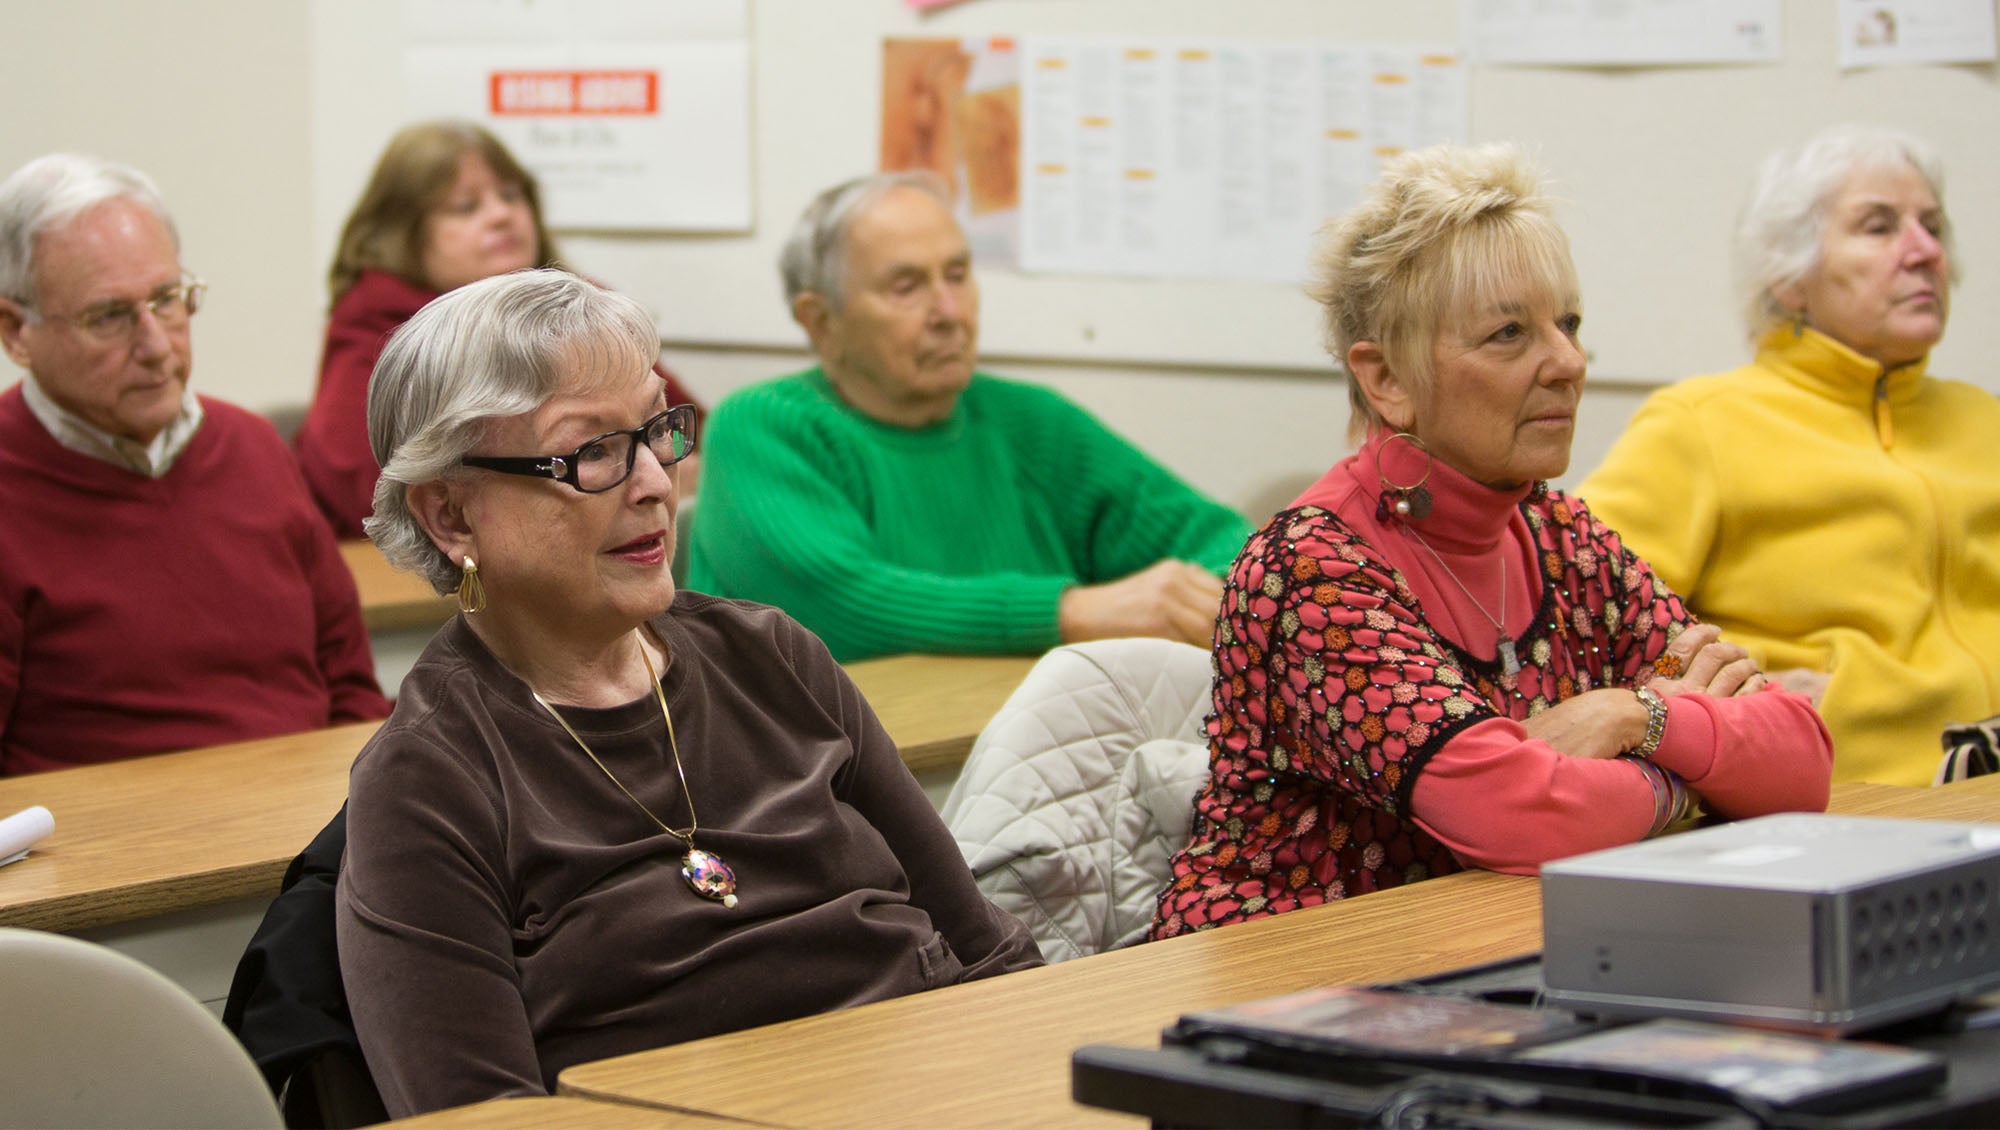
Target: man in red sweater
165, 582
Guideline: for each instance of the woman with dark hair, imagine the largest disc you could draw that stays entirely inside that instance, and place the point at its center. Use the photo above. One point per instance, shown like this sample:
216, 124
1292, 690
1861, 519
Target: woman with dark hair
446, 205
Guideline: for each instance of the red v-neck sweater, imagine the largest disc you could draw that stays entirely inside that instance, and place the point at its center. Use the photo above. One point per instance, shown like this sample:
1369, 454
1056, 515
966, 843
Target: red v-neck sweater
143, 615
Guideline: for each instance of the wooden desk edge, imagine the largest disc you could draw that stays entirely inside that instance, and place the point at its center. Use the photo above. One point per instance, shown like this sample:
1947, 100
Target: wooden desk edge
402, 617
938, 756
145, 877
134, 902
390, 600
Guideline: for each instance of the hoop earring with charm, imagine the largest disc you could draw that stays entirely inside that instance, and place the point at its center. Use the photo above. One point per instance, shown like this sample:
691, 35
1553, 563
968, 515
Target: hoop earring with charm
1399, 501
471, 590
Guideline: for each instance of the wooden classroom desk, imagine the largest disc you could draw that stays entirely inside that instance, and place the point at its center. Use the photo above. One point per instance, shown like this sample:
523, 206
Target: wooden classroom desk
390, 598
174, 832
1976, 800
179, 831
996, 1053
935, 705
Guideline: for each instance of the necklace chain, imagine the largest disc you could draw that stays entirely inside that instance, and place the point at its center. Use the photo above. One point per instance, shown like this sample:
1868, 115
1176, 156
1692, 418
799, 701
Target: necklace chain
704, 871
1509, 660
694, 822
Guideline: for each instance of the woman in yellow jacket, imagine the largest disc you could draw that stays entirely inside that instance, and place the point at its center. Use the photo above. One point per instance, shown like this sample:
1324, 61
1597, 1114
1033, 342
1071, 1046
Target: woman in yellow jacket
1831, 506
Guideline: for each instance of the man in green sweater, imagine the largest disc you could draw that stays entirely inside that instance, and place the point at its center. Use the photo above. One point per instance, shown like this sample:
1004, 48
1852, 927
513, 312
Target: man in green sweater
894, 500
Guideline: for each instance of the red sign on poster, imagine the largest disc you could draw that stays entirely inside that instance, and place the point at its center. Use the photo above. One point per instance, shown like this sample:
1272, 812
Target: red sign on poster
517, 94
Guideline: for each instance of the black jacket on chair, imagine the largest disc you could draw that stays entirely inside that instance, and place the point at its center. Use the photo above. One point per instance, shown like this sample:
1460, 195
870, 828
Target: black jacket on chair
288, 1005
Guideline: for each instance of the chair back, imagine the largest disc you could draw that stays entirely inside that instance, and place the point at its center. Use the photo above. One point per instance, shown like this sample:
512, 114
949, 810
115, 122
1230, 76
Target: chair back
288, 1003
1080, 790
90, 1037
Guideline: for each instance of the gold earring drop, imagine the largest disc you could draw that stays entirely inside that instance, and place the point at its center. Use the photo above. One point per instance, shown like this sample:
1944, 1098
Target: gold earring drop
471, 590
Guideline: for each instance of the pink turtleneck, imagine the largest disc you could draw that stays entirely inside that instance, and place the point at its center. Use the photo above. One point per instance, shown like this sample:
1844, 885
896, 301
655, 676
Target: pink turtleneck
1736, 752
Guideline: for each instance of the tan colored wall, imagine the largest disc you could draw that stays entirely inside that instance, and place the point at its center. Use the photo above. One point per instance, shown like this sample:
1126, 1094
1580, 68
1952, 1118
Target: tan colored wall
209, 98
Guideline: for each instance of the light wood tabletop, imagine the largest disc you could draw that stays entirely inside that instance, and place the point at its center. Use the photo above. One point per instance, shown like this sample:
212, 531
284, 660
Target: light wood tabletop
935, 705
996, 1053
1975, 800
181, 831
390, 598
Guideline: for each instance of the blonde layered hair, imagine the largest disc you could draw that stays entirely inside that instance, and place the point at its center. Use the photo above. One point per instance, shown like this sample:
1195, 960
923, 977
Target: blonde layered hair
1441, 230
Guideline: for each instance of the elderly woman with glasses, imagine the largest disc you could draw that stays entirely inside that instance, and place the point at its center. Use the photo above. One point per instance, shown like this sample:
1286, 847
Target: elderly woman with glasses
1833, 504
606, 816
1430, 660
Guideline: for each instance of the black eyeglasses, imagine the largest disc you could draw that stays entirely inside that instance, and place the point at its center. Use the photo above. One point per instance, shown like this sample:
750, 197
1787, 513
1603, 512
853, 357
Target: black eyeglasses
606, 461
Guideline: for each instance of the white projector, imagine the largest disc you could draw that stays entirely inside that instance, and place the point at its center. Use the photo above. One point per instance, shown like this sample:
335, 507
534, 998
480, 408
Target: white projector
1832, 923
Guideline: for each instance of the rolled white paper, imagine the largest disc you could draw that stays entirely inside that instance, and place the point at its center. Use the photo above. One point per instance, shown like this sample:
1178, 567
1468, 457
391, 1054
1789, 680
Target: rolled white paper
22, 831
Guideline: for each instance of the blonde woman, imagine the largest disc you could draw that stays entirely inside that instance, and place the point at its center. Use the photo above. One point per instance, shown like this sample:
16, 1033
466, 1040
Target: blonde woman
1431, 661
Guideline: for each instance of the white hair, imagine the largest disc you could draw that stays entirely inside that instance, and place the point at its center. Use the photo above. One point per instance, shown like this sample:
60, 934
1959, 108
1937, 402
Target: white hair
492, 349
815, 253
50, 191
1779, 237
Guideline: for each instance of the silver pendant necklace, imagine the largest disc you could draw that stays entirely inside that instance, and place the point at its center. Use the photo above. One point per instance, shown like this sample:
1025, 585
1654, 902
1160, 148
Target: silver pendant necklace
1510, 661
704, 871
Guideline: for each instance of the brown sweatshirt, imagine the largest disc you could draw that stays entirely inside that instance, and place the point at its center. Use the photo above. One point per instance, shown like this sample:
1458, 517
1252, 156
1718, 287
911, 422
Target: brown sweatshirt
505, 912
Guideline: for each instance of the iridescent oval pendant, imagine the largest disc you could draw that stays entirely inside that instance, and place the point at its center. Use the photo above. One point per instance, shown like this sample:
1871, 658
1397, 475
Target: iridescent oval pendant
709, 876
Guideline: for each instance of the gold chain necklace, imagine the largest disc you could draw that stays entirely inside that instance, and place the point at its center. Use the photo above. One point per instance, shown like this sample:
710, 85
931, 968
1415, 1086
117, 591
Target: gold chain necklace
704, 870
1510, 662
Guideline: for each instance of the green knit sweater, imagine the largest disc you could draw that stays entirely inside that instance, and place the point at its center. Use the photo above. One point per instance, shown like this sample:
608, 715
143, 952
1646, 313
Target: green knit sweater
957, 537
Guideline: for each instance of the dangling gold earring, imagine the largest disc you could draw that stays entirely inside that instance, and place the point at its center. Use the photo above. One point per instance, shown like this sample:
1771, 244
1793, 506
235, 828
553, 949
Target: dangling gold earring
471, 590
1403, 502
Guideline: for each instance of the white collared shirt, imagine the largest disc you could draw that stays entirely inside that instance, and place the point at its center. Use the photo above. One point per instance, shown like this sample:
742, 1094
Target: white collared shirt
80, 435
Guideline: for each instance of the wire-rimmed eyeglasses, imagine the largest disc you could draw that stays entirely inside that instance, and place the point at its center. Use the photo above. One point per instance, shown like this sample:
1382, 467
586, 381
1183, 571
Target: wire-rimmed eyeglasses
604, 462
117, 319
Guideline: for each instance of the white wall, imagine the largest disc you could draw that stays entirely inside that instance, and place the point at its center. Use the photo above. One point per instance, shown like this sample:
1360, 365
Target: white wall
262, 119
1226, 382
209, 98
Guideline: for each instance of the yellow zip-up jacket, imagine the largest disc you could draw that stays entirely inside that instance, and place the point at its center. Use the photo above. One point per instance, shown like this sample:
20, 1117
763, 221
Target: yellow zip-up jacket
1829, 515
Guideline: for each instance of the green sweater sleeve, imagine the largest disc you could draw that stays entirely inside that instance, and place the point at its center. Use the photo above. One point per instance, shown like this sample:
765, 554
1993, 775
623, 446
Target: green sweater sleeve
1120, 507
